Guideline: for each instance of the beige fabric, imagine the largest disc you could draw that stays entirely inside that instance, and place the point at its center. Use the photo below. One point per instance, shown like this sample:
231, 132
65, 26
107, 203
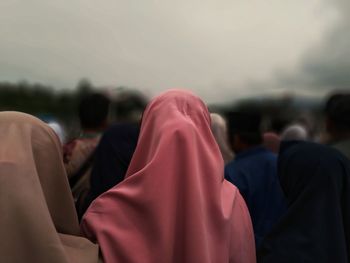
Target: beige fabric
38, 223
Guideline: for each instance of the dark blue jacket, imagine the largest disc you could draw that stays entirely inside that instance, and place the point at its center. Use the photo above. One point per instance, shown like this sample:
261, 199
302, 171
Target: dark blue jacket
254, 172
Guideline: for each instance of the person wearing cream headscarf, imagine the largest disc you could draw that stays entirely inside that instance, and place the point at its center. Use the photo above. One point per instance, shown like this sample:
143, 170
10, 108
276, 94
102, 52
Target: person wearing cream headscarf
38, 222
174, 205
219, 129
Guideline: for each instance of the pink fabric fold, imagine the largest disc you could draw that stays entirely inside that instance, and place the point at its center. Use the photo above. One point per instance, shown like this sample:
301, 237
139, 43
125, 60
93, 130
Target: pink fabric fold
174, 205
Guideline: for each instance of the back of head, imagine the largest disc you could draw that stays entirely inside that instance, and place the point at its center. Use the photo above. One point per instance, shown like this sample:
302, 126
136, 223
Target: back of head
246, 126
174, 113
129, 106
337, 111
93, 111
294, 132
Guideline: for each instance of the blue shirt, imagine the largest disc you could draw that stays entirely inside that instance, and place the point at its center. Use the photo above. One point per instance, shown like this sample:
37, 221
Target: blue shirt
254, 172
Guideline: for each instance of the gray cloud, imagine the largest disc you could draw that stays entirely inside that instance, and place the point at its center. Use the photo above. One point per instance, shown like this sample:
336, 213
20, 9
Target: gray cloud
324, 67
214, 47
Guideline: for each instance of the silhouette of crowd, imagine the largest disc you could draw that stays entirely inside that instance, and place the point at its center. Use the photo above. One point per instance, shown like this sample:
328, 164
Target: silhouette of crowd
167, 180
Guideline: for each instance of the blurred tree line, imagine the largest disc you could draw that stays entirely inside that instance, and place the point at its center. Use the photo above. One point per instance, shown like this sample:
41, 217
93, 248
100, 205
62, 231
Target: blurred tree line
41, 100
46, 102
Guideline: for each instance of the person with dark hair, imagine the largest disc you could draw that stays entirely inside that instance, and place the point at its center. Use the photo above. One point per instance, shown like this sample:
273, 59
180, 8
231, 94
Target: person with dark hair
315, 179
254, 172
129, 106
337, 111
116, 147
93, 112
78, 153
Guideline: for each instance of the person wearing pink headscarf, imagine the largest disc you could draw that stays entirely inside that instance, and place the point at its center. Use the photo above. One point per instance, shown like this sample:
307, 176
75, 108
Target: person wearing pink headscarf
174, 205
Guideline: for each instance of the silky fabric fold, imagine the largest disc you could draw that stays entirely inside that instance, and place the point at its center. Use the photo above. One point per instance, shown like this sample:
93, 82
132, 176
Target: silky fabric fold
174, 204
38, 222
315, 228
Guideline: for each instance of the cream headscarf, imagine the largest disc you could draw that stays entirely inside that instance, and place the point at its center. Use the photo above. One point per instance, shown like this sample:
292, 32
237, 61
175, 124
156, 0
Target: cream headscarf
219, 129
38, 223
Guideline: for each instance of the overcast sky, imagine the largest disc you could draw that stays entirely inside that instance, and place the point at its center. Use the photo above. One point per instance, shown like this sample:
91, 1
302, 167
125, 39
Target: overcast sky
221, 49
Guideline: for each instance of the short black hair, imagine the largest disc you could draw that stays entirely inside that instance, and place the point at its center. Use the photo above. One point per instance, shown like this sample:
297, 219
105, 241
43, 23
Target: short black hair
253, 138
337, 110
93, 110
247, 125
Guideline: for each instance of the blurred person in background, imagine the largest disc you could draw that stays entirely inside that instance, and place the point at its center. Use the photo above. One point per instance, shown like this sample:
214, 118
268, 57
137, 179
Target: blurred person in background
254, 172
55, 124
59, 130
111, 161
38, 222
174, 205
338, 122
128, 106
295, 132
114, 152
271, 141
308, 120
219, 129
315, 228
79, 153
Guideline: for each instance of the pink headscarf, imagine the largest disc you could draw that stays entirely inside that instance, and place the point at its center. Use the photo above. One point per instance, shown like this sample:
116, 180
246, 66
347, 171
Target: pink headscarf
174, 205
